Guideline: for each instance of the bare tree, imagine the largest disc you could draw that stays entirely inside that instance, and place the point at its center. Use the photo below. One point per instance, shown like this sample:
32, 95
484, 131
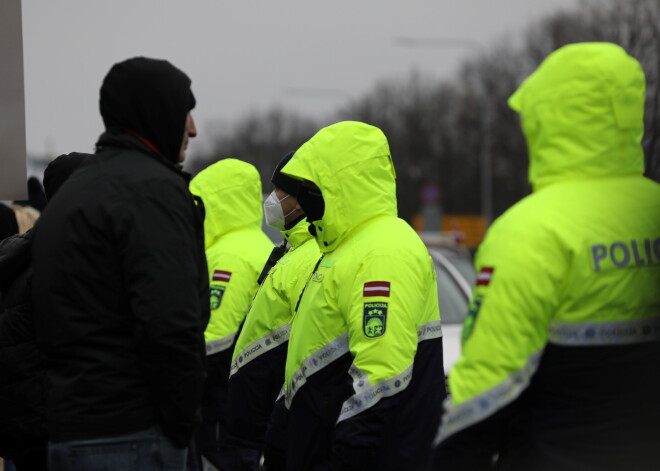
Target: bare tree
408, 111
445, 132
632, 24
261, 139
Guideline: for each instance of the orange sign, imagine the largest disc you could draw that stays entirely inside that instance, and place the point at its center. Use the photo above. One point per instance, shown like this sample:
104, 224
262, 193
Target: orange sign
465, 229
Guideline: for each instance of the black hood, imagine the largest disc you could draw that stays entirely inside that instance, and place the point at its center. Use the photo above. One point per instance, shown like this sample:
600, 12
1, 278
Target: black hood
150, 98
60, 169
289, 184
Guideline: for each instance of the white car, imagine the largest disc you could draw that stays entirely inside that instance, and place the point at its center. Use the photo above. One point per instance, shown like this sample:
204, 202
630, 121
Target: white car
456, 278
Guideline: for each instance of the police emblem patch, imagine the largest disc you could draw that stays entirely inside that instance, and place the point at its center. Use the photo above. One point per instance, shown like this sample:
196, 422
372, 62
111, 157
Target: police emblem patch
374, 319
216, 296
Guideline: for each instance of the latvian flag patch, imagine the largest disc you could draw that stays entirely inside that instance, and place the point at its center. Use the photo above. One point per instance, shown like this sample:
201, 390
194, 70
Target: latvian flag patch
376, 288
484, 276
221, 275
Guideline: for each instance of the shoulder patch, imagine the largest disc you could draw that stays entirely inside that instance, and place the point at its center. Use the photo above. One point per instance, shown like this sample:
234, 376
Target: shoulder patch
221, 275
484, 276
217, 292
376, 288
374, 319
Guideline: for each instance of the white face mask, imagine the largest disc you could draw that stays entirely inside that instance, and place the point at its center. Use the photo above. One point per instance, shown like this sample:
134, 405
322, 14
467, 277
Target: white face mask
273, 212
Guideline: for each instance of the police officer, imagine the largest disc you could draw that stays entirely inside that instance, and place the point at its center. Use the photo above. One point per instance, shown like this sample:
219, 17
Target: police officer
559, 368
257, 368
364, 376
236, 251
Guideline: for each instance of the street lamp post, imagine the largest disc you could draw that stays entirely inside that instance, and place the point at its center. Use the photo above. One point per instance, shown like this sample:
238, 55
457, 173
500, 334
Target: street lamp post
485, 121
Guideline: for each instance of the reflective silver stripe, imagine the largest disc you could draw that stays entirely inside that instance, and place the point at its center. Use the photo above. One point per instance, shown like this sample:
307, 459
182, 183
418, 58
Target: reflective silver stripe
281, 394
430, 330
259, 347
459, 417
207, 465
605, 333
368, 395
339, 346
218, 345
315, 362
360, 378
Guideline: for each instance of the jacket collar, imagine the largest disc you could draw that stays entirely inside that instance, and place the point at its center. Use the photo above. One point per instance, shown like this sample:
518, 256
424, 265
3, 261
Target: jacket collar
126, 140
298, 234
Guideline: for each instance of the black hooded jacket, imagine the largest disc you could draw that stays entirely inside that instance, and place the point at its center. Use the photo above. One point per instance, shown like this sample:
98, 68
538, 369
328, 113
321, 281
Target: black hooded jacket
22, 370
120, 280
22, 374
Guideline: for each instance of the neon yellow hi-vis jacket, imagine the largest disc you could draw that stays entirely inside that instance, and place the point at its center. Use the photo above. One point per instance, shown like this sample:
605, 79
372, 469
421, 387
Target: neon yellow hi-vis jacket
268, 322
568, 288
236, 247
257, 367
368, 308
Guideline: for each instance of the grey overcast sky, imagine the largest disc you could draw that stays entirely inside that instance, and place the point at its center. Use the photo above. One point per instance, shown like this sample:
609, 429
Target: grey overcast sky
242, 55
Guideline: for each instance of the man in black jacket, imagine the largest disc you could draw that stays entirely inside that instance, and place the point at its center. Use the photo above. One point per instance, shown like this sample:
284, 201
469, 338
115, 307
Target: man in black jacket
120, 284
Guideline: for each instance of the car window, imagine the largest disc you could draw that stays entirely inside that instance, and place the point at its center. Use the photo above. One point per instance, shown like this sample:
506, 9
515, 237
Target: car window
456, 277
452, 300
463, 264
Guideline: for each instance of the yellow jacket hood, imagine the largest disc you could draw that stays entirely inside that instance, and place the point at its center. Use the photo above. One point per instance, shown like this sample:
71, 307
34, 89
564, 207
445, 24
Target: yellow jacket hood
351, 164
582, 114
231, 191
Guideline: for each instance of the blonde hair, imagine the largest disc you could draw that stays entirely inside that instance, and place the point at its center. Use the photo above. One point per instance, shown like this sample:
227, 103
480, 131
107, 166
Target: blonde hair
26, 216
